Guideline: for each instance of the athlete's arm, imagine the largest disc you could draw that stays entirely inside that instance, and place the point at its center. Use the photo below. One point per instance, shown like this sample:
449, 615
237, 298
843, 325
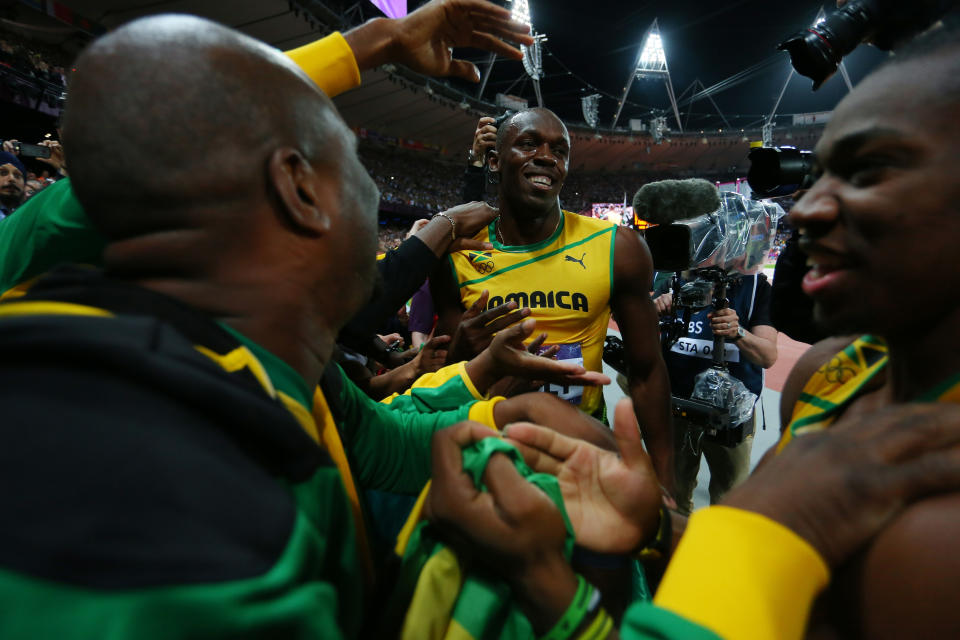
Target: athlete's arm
647, 372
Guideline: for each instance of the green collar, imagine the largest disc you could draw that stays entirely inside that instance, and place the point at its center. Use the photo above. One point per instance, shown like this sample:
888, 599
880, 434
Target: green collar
282, 375
524, 248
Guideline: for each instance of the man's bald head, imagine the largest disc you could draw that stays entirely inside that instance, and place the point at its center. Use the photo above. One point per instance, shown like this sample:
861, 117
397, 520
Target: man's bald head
175, 111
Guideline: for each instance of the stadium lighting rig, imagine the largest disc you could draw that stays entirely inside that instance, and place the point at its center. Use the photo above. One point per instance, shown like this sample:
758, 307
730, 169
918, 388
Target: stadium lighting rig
651, 63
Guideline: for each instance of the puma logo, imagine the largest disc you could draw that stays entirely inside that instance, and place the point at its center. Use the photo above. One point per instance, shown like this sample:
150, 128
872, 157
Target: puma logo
572, 259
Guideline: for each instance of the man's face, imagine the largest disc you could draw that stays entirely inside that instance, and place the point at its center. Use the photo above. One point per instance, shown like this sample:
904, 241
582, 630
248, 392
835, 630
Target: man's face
882, 224
532, 161
11, 185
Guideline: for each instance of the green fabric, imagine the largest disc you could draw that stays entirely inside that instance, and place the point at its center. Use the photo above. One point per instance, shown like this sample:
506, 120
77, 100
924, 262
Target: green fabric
51, 228
282, 375
485, 608
313, 591
389, 444
646, 621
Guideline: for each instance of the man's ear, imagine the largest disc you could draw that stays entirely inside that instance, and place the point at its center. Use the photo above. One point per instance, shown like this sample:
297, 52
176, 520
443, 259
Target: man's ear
493, 160
307, 196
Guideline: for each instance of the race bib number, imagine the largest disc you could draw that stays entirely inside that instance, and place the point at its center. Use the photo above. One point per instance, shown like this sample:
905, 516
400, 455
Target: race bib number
573, 354
704, 349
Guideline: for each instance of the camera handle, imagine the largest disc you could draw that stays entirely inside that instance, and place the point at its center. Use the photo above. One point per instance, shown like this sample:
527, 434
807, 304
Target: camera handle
719, 342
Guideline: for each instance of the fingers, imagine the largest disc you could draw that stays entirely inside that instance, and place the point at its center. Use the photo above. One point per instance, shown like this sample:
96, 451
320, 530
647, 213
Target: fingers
935, 472
626, 431
505, 321
452, 487
515, 497
536, 459
550, 351
537, 342
477, 307
590, 379
469, 244
494, 44
906, 431
437, 341
542, 439
517, 333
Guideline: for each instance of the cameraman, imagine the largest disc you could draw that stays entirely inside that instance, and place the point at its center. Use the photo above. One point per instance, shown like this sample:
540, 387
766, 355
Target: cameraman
751, 347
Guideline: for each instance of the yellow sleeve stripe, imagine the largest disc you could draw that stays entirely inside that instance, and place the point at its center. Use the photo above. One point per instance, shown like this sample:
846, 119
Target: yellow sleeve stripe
44, 307
329, 62
761, 582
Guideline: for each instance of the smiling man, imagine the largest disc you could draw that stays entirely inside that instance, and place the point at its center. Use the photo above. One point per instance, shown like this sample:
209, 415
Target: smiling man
568, 270
881, 226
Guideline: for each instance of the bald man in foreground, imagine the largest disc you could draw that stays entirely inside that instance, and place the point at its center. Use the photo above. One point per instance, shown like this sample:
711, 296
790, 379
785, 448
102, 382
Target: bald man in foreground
162, 419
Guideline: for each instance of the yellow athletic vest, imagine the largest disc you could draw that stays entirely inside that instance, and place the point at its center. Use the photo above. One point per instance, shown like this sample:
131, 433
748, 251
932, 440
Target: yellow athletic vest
566, 281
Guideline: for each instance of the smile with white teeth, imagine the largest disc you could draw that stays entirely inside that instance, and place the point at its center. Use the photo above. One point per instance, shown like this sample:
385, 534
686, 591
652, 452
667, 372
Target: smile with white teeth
541, 181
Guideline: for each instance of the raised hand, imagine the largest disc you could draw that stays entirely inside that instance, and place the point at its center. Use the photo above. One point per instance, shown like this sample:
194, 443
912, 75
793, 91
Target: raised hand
428, 35
477, 327
432, 356
471, 218
613, 501
507, 355
424, 40
484, 139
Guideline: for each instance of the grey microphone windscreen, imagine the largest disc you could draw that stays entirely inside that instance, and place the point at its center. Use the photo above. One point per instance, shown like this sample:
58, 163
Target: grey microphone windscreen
668, 201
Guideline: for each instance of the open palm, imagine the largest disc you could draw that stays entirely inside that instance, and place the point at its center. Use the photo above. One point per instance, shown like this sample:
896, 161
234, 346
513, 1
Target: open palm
613, 501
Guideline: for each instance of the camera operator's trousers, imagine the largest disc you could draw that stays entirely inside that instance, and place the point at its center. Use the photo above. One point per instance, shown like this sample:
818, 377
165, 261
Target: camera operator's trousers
729, 466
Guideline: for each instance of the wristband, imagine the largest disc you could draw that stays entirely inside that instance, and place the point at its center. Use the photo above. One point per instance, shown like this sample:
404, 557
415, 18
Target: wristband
453, 224
586, 599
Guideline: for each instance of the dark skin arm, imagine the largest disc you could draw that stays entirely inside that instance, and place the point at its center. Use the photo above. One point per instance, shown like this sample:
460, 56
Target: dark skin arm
647, 372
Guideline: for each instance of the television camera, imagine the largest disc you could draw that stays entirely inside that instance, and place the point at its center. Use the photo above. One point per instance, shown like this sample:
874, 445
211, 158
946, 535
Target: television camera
713, 242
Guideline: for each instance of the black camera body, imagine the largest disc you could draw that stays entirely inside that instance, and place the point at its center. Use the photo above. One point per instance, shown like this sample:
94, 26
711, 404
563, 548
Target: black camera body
817, 52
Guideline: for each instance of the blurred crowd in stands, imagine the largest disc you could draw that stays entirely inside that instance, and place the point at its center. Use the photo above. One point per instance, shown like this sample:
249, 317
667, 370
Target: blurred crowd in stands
32, 59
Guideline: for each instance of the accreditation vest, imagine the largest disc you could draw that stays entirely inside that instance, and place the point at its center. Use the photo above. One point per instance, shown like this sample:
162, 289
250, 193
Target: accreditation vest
693, 353
566, 281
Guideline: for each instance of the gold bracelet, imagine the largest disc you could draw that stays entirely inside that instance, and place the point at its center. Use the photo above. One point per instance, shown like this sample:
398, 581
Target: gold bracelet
453, 224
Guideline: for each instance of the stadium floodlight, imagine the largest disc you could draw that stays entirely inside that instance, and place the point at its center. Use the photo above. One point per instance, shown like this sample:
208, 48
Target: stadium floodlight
520, 11
651, 63
652, 60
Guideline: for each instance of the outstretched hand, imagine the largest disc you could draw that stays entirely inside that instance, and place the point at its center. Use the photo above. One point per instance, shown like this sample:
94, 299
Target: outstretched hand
613, 501
511, 357
426, 38
477, 327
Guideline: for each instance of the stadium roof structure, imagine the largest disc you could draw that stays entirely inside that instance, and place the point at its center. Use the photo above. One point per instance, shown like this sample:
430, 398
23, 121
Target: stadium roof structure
722, 52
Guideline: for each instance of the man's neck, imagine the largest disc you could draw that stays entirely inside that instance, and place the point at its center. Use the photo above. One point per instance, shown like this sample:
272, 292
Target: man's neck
273, 316
519, 228
924, 358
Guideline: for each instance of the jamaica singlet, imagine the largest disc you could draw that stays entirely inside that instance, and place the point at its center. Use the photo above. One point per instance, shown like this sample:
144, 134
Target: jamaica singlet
841, 380
566, 281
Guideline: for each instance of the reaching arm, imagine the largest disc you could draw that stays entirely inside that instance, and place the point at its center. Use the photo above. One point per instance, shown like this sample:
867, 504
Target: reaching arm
647, 372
